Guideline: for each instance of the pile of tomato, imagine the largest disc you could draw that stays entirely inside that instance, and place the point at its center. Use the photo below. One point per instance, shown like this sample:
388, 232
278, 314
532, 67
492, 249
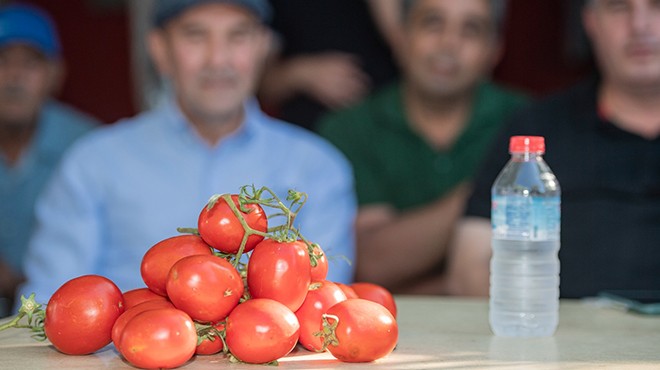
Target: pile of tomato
236, 286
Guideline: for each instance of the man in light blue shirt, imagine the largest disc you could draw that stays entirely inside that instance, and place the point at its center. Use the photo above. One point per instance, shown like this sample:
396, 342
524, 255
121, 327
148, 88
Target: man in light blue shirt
35, 130
127, 186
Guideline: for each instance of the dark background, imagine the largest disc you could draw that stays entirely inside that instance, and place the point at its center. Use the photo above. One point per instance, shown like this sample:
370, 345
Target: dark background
545, 51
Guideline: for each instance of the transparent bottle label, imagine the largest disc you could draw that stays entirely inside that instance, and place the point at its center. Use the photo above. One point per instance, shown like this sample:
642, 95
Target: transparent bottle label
522, 217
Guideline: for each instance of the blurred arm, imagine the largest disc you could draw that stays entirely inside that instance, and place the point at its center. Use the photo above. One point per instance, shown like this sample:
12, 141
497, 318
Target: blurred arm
468, 261
334, 79
396, 247
388, 18
468, 265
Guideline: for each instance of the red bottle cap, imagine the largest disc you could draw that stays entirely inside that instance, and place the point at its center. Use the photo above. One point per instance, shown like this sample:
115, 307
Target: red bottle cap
527, 144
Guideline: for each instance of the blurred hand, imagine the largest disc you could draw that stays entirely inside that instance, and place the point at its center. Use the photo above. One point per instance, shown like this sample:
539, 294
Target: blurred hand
334, 79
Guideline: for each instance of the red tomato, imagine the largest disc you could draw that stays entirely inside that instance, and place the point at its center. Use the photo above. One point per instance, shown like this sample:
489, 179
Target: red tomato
365, 330
136, 296
350, 293
159, 338
80, 314
219, 226
205, 287
261, 330
211, 343
130, 313
158, 260
280, 271
320, 271
375, 293
321, 296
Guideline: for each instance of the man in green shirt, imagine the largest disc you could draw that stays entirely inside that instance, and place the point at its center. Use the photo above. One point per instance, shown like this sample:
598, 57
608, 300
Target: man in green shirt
415, 145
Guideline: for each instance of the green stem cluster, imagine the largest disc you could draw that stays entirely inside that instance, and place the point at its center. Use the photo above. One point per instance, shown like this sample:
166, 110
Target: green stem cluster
210, 332
327, 332
32, 311
266, 198
285, 231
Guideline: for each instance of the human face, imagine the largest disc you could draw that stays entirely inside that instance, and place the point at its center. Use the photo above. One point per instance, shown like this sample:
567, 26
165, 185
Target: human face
213, 54
26, 81
450, 46
626, 39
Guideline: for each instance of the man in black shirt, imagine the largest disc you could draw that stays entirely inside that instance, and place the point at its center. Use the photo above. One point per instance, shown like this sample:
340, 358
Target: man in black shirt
603, 144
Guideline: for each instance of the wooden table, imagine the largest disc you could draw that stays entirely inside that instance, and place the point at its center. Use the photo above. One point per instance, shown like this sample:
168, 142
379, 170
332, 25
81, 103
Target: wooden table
435, 333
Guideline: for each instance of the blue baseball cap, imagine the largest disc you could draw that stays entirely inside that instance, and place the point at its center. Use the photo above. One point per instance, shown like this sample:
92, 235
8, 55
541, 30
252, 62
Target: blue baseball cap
164, 10
26, 24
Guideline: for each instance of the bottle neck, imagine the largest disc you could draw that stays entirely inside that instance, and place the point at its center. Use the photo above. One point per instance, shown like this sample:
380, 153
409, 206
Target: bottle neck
526, 156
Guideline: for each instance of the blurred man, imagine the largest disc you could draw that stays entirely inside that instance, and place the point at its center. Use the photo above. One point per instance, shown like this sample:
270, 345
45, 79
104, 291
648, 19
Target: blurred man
34, 130
131, 184
603, 144
415, 145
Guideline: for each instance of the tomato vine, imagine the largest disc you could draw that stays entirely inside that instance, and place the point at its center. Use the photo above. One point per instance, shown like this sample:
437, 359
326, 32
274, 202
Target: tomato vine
34, 314
264, 197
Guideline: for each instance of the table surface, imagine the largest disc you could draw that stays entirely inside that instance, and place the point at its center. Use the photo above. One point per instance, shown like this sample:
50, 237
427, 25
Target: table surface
434, 333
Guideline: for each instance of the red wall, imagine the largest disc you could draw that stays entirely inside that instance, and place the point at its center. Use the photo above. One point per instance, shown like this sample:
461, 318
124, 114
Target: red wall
95, 47
535, 59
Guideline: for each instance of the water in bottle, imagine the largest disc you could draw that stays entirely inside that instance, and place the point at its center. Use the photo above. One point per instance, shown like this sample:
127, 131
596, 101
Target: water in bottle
525, 215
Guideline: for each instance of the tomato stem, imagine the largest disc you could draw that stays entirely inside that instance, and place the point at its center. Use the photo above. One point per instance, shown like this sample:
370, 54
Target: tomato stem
212, 201
35, 318
290, 212
210, 332
265, 197
187, 230
313, 257
327, 332
246, 228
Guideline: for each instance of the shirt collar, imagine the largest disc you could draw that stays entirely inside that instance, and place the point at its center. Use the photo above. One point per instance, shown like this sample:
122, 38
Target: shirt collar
599, 115
43, 143
480, 107
43, 140
172, 115
390, 109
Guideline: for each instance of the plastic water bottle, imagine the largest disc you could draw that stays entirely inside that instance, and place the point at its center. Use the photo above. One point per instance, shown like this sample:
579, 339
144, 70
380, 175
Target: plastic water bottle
524, 269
